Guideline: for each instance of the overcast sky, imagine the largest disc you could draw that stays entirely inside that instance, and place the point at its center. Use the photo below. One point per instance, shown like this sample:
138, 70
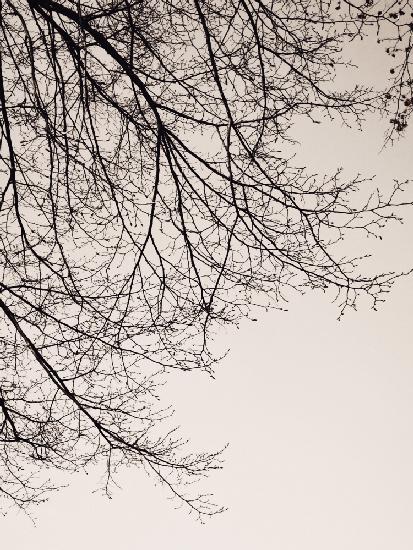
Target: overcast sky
318, 415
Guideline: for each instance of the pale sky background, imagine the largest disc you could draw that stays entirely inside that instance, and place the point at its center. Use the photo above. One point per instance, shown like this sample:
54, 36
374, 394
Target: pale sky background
318, 414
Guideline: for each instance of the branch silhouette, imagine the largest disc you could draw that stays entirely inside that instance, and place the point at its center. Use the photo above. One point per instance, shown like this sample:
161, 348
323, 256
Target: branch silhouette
145, 202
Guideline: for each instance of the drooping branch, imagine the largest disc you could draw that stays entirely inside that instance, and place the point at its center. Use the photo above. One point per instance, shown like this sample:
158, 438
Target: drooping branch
145, 201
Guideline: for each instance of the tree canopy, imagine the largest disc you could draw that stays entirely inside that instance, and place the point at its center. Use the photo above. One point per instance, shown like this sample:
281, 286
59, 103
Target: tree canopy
146, 199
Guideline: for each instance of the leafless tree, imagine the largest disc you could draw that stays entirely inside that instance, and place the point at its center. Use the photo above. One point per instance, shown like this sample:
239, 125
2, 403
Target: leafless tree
144, 202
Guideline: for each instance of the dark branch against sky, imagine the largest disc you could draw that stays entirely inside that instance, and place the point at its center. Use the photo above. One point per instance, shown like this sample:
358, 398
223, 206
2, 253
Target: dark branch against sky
146, 201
